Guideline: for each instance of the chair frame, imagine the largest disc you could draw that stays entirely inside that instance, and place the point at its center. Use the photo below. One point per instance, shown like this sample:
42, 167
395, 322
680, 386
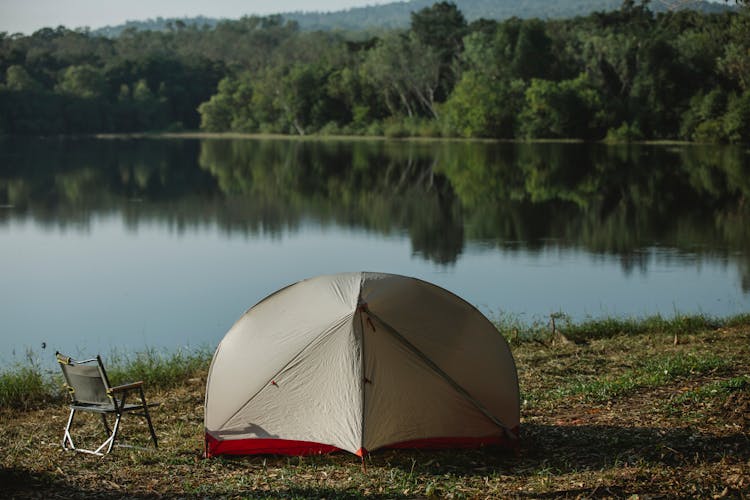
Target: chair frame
114, 404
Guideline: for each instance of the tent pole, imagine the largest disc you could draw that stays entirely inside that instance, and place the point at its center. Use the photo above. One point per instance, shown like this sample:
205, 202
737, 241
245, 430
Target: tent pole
362, 306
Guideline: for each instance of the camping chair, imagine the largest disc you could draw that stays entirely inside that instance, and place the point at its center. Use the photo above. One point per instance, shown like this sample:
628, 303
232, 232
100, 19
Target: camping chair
90, 391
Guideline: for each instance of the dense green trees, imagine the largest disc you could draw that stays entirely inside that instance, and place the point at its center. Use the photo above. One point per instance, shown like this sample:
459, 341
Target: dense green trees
621, 75
64, 81
566, 108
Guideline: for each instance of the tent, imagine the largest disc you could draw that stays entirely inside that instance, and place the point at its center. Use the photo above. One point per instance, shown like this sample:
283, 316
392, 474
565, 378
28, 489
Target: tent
356, 362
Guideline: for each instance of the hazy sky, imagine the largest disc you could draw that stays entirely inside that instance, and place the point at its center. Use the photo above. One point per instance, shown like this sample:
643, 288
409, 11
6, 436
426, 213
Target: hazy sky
27, 16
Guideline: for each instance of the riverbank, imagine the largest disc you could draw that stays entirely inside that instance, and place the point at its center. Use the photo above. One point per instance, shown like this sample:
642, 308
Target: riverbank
609, 408
197, 134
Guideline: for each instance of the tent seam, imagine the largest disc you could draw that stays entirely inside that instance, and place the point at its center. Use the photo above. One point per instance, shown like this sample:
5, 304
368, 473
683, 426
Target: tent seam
362, 364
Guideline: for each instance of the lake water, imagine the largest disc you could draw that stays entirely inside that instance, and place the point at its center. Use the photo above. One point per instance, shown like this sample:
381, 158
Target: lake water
126, 244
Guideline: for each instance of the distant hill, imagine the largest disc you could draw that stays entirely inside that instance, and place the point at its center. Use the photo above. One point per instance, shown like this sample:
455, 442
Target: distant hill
397, 14
158, 24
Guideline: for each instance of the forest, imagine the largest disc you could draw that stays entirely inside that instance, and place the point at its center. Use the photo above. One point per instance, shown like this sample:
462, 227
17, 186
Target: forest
623, 75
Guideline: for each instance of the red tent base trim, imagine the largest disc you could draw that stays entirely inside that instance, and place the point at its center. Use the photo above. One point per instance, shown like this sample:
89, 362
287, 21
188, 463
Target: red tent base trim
265, 447
302, 448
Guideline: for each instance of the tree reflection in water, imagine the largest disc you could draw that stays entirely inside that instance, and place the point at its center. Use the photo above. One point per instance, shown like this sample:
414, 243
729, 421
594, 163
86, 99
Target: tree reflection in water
638, 202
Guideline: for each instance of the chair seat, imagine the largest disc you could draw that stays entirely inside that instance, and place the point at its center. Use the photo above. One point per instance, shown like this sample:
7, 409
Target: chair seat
109, 408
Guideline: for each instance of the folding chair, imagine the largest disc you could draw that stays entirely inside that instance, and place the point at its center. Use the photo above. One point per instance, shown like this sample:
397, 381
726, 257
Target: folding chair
90, 391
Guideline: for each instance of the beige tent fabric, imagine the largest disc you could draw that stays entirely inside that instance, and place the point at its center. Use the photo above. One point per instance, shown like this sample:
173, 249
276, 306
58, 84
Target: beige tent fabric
361, 360
454, 335
406, 400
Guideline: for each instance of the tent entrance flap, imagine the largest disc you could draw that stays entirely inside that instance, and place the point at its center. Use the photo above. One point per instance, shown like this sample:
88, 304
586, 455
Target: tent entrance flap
409, 402
434, 367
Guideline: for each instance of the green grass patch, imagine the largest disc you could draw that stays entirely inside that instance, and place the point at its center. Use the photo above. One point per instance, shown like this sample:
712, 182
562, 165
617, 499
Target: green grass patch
738, 320
715, 389
157, 368
26, 387
652, 372
517, 330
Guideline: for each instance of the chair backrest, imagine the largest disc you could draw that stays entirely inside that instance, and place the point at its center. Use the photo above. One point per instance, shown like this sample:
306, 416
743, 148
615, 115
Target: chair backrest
86, 380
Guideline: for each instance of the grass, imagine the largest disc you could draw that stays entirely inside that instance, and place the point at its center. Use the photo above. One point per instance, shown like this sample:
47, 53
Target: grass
30, 386
516, 330
713, 389
24, 387
157, 368
620, 410
652, 372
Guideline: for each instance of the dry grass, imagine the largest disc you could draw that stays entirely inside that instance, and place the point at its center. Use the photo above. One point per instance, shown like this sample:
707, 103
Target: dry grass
611, 417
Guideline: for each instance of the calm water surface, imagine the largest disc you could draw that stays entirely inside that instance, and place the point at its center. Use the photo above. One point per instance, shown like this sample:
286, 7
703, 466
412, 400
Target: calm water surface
126, 244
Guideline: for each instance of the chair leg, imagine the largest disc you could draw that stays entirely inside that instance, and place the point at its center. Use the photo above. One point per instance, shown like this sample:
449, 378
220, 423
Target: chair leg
148, 419
151, 429
107, 430
111, 433
111, 439
67, 439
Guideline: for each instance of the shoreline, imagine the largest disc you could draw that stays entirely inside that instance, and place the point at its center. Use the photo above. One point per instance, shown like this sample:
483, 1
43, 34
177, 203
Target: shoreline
379, 138
359, 138
33, 384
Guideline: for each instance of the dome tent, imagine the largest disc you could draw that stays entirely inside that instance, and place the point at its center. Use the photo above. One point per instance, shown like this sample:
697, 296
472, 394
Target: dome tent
356, 362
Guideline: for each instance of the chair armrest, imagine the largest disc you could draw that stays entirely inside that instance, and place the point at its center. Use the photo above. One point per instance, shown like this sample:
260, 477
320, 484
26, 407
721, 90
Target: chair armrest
126, 387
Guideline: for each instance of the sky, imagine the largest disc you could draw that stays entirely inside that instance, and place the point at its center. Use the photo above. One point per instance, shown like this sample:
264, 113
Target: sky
27, 16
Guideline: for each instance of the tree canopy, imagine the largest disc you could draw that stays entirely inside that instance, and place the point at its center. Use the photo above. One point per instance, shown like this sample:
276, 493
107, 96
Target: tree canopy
618, 75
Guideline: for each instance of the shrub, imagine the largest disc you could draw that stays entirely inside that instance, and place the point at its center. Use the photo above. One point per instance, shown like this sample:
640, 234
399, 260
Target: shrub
624, 133
709, 131
374, 129
737, 118
395, 130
